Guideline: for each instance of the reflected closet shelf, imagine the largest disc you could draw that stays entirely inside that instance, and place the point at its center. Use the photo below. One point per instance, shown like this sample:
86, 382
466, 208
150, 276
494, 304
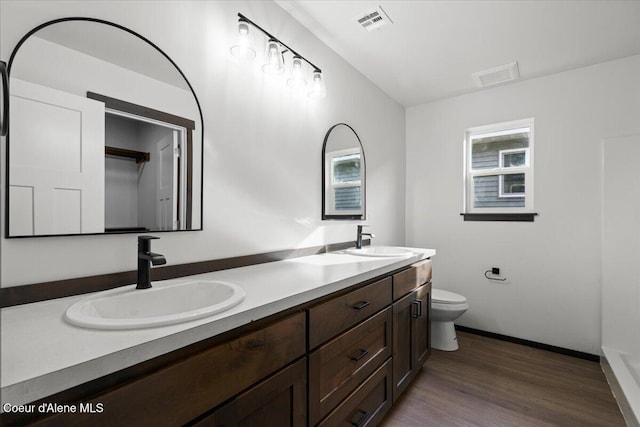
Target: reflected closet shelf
139, 156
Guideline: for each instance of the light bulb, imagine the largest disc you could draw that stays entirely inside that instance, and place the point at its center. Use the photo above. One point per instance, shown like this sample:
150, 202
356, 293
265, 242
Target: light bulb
242, 49
274, 64
297, 75
318, 89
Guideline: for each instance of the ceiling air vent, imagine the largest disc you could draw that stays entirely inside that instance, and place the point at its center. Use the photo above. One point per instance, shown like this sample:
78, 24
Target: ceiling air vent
502, 74
374, 19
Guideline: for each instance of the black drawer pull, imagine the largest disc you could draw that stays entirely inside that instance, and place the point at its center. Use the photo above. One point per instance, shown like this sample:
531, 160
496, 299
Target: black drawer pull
361, 305
418, 312
361, 421
362, 354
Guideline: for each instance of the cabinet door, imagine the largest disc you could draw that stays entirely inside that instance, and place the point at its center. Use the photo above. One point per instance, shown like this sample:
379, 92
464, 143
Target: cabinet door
411, 336
279, 401
403, 364
421, 325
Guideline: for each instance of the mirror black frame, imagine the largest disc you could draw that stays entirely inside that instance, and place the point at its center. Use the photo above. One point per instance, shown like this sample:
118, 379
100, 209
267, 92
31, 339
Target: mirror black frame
5, 125
362, 216
4, 120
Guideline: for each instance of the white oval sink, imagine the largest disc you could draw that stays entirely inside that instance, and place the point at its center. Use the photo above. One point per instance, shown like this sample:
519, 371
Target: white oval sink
380, 251
131, 308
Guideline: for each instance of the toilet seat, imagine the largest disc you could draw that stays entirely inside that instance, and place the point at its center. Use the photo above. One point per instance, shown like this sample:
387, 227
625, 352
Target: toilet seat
441, 296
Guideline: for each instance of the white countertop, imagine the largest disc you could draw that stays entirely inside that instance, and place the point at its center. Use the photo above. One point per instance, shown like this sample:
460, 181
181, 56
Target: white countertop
42, 354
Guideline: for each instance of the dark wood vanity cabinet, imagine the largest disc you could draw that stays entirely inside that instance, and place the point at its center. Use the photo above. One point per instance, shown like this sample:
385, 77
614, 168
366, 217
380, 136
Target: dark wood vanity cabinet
365, 348
184, 390
341, 361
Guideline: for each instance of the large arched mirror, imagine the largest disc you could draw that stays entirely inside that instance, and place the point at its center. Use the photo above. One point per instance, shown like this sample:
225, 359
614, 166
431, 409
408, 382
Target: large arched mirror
343, 174
4, 98
105, 134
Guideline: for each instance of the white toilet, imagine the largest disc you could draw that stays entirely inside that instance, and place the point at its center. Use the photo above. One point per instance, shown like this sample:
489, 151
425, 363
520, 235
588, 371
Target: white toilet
445, 308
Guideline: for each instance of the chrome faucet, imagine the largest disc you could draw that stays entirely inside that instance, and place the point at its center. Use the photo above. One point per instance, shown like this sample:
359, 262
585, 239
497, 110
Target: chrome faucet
145, 259
360, 234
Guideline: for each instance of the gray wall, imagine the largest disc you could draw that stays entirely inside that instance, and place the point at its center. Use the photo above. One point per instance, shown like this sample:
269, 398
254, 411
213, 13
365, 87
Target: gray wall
121, 175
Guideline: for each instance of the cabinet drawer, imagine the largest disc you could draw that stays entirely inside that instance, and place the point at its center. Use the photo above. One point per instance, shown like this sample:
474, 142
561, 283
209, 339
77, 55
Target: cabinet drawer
176, 394
367, 405
409, 279
328, 319
280, 400
339, 366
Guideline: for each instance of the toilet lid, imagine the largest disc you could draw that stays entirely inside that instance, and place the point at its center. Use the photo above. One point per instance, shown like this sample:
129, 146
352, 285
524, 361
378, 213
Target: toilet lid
445, 297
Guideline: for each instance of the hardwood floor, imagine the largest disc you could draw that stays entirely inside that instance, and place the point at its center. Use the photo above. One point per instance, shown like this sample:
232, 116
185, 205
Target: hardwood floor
489, 382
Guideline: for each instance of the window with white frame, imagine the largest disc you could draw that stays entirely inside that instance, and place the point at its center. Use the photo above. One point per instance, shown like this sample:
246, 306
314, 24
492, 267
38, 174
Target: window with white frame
499, 168
345, 181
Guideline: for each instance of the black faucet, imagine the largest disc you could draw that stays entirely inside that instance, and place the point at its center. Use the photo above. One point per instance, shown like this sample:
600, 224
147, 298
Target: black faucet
360, 234
145, 259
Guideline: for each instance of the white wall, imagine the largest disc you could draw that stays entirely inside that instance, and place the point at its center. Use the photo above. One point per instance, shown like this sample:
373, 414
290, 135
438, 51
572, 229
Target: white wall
262, 144
621, 245
553, 265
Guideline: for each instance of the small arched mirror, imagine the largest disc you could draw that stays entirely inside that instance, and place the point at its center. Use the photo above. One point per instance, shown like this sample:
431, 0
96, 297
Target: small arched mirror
105, 134
343, 174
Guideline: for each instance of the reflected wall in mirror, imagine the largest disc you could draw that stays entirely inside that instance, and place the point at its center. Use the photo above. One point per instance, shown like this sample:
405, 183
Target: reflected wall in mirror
105, 134
343, 174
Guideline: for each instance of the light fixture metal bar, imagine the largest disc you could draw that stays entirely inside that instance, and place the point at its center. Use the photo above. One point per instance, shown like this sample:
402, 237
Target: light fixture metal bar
271, 36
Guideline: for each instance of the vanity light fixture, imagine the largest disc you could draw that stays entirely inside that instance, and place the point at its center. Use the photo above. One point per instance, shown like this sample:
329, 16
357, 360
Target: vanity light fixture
275, 58
242, 49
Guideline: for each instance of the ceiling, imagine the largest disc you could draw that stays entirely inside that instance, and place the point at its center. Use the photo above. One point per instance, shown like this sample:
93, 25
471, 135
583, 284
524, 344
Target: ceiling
432, 48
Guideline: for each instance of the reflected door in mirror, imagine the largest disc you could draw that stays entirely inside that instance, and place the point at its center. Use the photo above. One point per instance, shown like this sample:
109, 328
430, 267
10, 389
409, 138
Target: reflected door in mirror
57, 173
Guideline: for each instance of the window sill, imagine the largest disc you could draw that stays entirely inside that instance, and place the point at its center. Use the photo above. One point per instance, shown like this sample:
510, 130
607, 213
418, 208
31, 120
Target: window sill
345, 217
518, 217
